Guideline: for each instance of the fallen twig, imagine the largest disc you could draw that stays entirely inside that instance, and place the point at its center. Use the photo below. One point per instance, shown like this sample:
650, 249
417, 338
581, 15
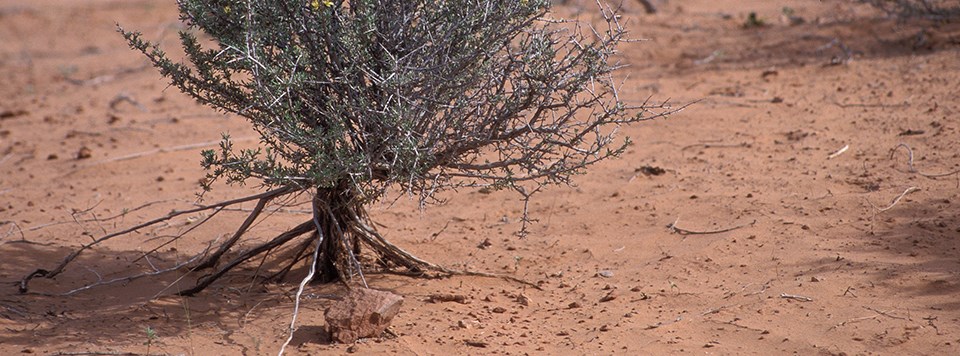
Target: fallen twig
673, 227
125, 97
854, 320
913, 169
167, 150
879, 314
930, 320
664, 323
870, 105
57, 270
897, 199
108, 77
796, 297
885, 313
155, 272
850, 291
716, 145
838, 152
12, 228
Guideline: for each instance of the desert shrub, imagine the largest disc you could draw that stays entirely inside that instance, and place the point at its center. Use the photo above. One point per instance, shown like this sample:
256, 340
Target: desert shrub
356, 99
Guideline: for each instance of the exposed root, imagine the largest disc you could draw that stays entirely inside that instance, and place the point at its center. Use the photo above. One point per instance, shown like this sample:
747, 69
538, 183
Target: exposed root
24, 283
337, 216
204, 282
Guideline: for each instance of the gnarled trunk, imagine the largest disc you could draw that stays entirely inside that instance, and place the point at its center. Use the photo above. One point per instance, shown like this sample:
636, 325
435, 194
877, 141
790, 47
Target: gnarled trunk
334, 211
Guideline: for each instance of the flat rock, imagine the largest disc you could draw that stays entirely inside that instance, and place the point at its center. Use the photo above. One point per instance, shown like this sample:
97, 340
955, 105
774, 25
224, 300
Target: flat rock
361, 313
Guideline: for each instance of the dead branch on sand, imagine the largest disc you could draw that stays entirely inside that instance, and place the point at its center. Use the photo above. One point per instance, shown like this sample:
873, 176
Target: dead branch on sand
674, 228
913, 169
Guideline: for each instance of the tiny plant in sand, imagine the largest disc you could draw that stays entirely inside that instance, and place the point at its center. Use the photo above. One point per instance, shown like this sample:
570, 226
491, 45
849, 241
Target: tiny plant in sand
151, 336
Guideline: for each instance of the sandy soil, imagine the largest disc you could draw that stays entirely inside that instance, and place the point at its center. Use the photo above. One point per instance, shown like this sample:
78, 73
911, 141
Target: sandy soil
822, 257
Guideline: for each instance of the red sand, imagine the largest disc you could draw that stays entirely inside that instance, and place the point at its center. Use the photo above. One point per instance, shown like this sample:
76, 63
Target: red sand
823, 262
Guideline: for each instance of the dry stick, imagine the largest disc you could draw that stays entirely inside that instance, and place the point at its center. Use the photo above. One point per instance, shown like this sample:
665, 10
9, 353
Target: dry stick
796, 297
897, 199
885, 313
100, 282
879, 314
177, 236
313, 269
297, 257
15, 226
838, 152
914, 170
165, 150
56, 271
854, 320
212, 260
107, 77
715, 145
277, 241
662, 323
673, 227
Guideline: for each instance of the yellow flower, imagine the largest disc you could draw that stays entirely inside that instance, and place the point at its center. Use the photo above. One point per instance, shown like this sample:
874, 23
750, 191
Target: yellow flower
226, 9
315, 4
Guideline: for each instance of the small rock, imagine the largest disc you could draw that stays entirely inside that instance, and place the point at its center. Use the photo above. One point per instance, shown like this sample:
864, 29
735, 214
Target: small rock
352, 349
573, 305
476, 343
650, 170
605, 273
610, 296
499, 310
604, 328
523, 299
84, 153
484, 244
52, 156
361, 313
6, 114
441, 298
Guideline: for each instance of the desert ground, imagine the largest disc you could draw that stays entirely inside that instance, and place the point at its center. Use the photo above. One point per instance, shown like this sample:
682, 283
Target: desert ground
806, 202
